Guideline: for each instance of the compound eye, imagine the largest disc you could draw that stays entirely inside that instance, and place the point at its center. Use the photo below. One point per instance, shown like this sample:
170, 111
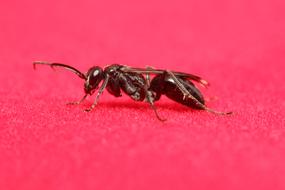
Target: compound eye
96, 73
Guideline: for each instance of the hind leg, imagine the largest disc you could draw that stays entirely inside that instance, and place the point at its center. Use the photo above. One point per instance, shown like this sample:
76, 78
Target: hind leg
187, 94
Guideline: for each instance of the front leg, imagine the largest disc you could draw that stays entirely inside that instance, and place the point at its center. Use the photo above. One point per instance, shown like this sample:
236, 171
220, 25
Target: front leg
78, 102
101, 90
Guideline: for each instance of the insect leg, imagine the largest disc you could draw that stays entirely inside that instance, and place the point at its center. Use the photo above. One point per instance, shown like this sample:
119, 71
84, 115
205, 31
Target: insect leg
78, 102
186, 94
148, 77
149, 99
151, 103
100, 91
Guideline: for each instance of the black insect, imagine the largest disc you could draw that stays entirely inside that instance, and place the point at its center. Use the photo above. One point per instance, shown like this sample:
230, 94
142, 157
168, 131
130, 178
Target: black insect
136, 83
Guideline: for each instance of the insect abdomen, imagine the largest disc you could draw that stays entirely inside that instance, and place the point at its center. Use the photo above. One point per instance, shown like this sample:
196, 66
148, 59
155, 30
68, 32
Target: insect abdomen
173, 92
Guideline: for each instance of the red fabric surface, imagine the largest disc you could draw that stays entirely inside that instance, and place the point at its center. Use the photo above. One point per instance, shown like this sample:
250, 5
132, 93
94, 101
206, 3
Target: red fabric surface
238, 46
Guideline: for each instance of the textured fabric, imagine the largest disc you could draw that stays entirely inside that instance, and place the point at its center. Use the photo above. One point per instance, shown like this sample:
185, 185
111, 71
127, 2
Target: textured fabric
238, 46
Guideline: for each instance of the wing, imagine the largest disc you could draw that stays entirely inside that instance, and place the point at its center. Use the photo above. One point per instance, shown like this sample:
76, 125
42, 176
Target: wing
160, 71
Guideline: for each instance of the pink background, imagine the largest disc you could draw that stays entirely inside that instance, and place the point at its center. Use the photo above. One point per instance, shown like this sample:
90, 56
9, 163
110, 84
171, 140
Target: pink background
239, 46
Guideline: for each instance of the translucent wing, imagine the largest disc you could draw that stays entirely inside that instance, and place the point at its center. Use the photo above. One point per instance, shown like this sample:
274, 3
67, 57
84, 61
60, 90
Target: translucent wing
160, 71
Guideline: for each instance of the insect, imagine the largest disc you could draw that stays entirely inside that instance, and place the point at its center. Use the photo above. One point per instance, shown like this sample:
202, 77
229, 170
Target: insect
137, 84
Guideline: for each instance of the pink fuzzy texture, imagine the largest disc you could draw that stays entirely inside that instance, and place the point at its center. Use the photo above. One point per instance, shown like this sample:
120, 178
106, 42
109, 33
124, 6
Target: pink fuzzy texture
237, 45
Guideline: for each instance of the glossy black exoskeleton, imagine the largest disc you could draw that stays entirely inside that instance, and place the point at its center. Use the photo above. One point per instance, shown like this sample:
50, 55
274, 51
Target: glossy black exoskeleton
163, 84
176, 86
116, 78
